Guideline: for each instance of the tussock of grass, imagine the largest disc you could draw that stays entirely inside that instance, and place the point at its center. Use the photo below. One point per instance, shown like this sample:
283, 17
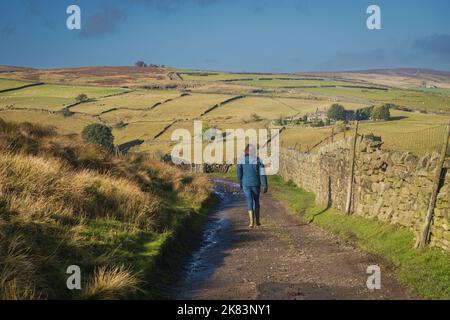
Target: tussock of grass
111, 283
426, 272
63, 202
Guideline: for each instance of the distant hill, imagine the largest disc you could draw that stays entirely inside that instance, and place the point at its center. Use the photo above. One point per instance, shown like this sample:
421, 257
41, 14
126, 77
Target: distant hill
398, 77
154, 76
13, 68
410, 72
107, 76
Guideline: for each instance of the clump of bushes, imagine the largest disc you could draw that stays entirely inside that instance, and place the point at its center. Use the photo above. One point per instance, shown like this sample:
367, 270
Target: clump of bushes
82, 98
381, 113
336, 112
140, 64
100, 135
317, 123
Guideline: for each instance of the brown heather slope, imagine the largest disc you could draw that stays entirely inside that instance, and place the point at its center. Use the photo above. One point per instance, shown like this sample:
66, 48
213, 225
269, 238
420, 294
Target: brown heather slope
102, 76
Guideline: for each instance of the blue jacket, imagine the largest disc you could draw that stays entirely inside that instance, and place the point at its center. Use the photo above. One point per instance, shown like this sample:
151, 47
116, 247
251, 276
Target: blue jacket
250, 172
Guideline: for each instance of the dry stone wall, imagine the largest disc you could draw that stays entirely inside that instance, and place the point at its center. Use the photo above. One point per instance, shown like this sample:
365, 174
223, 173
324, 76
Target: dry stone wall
390, 186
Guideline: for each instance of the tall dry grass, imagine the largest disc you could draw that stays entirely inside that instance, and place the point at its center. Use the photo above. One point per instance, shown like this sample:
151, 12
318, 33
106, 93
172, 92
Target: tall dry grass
51, 185
17, 268
110, 283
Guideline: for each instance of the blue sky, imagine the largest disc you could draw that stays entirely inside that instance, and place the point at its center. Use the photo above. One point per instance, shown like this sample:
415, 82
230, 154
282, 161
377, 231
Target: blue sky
233, 35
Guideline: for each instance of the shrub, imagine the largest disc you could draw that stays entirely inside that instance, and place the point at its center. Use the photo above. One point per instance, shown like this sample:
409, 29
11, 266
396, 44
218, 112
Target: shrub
140, 64
100, 135
318, 123
381, 113
336, 112
363, 114
81, 98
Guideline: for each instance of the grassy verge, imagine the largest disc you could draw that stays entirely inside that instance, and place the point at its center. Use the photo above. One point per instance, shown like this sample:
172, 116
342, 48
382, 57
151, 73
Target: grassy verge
155, 256
425, 272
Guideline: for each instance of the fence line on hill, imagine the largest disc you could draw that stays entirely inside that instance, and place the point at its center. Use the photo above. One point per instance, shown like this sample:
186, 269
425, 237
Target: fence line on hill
419, 142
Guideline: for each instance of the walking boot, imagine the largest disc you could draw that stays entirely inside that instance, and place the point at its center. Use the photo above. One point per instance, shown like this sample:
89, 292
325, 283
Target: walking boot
258, 223
251, 218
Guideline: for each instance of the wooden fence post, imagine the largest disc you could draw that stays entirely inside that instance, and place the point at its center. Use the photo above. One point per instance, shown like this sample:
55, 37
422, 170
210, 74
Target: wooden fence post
423, 239
352, 154
332, 134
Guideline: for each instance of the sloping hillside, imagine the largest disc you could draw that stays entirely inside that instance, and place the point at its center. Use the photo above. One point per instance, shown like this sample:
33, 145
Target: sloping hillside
63, 203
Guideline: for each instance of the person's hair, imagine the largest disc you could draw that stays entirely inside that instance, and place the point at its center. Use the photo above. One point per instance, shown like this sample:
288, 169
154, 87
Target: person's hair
248, 147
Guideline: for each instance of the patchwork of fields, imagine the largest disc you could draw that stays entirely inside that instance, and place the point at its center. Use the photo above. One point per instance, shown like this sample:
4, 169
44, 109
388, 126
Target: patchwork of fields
246, 101
51, 97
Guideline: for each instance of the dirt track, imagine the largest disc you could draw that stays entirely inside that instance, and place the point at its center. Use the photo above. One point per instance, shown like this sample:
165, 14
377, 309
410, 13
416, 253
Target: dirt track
283, 259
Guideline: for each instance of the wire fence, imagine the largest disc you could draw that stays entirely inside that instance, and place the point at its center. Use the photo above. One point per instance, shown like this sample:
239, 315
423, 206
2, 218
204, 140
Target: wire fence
418, 142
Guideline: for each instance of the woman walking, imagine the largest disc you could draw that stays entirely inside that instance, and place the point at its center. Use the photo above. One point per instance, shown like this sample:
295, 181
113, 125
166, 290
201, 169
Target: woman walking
251, 175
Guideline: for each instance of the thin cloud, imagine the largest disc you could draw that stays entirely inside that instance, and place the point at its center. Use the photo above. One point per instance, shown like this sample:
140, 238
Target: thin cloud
107, 21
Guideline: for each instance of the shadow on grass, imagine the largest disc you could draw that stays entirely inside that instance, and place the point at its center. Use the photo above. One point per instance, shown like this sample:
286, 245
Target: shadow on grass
329, 203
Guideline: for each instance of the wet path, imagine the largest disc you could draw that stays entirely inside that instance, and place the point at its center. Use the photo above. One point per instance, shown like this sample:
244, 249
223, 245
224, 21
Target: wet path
283, 259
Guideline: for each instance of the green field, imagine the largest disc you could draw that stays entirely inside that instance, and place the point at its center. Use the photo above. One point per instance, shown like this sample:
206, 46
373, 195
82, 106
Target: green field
142, 114
140, 99
187, 107
74, 124
190, 75
277, 82
10, 84
436, 90
51, 97
412, 99
138, 130
407, 131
